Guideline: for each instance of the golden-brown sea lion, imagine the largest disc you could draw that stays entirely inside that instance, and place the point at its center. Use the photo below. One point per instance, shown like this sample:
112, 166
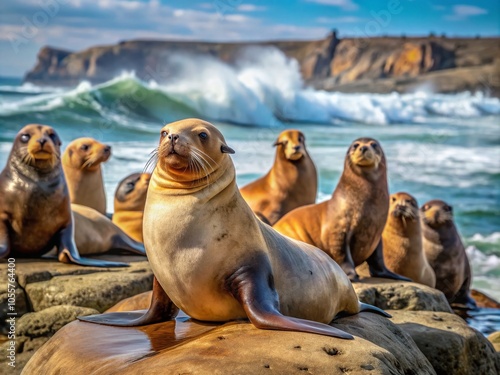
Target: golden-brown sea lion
292, 181
35, 214
96, 234
402, 240
215, 260
130, 199
348, 227
445, 253
82, 167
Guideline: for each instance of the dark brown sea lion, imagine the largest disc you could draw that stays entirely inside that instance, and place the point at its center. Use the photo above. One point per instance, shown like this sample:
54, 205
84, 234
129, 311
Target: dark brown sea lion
292, 181
215, 260
445, 253
402, 240
81, 163
348, 227
130, 199
35, 213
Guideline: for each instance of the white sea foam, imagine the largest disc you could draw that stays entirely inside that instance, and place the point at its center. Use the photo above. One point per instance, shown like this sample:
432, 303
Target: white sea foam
264, 87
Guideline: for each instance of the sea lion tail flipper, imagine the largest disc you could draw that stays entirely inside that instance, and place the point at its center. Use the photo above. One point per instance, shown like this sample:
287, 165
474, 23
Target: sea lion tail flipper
378, 268
364, 307
162, 309
253, 287
122, 241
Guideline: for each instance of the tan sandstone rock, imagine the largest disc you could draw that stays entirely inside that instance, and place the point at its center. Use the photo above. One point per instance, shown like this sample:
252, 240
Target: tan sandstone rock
379, 347
450, 345
494, 338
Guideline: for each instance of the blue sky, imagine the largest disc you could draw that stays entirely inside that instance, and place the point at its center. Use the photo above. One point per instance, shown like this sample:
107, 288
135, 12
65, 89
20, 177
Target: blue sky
27, 25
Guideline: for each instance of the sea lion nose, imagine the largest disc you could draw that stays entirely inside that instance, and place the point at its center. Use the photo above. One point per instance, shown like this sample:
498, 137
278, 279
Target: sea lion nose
42, 141
363, 148
296, 148
173, 137
107, 149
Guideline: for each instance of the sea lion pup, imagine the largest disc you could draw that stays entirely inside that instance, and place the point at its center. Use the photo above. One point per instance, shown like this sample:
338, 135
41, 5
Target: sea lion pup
35, 213
445, 253
215, 260
130, 199
96, 234
292, 181
348, 227
81, 163
402, 240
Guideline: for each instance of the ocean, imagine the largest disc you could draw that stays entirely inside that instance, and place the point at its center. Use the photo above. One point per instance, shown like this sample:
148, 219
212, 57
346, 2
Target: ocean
437, 146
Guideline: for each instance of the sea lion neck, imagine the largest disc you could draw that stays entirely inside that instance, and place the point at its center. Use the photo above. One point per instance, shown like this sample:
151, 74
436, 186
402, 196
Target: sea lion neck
29, 172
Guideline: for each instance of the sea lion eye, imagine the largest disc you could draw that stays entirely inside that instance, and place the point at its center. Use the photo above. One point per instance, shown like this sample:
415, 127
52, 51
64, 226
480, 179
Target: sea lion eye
25, 138
130, 184
203, 135
393, 199
164, 133
355, 146
449, 208
374, 145
85, 147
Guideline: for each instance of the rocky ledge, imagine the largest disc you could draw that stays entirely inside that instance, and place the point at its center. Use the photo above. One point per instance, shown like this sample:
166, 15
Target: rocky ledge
423, 337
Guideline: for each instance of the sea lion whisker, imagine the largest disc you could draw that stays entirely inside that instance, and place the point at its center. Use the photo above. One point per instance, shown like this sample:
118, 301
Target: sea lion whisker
205, 154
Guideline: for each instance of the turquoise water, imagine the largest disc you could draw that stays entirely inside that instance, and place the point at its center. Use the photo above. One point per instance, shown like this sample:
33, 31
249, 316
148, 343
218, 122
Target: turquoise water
437, 146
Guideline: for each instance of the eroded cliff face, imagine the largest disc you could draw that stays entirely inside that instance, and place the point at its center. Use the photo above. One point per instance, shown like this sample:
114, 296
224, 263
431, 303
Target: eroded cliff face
372, 65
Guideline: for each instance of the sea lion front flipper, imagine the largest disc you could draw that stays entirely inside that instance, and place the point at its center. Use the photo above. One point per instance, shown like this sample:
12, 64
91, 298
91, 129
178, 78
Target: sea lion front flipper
253, 287
378, 268
68, 253
161, 309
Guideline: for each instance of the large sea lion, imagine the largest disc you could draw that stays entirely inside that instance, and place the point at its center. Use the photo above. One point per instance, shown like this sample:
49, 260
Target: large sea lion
292, 181
402, 240
215, 260
130, 199
445, 253
96, 234
348, 227
81, 163
35, 213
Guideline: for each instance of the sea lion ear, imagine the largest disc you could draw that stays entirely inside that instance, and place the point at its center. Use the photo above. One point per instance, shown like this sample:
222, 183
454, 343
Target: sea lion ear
226, 149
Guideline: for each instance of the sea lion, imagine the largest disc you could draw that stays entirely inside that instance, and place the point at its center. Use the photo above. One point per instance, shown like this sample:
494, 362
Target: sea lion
215, 260
349, 226
292, 181
35, 213
96, 234
445, 253
402, 240
130, 199
81, 163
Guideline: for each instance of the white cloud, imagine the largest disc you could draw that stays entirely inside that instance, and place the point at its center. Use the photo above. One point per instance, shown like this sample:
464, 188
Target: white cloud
461, 12
250, 8
343, 4
334, 20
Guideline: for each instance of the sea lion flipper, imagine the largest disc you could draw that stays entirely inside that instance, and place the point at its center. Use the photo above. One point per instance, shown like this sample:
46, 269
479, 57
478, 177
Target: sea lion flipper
377, 266
68, 253
253, 287
161, 309
123, 242
364, 307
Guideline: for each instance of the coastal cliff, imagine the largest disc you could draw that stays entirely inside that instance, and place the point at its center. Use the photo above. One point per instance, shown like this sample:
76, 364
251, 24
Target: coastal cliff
383, 64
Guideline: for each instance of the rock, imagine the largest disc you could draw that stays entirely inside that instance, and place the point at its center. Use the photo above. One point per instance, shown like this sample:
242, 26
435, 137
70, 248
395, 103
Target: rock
350, 64
397, 295
380, 347
19, 304
494, 338
450, 345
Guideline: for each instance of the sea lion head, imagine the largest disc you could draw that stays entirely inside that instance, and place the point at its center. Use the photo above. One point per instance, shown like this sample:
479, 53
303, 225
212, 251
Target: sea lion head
403, 205
190, 150
291, 144
131, 192
86, 154
366, 153
37, 146
436, 213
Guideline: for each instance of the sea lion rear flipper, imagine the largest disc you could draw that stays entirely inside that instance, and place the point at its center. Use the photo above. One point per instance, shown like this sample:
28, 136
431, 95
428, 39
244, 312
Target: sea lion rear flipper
162, 309
68, 253
253, 287
374, 309
123, 242
378, 268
